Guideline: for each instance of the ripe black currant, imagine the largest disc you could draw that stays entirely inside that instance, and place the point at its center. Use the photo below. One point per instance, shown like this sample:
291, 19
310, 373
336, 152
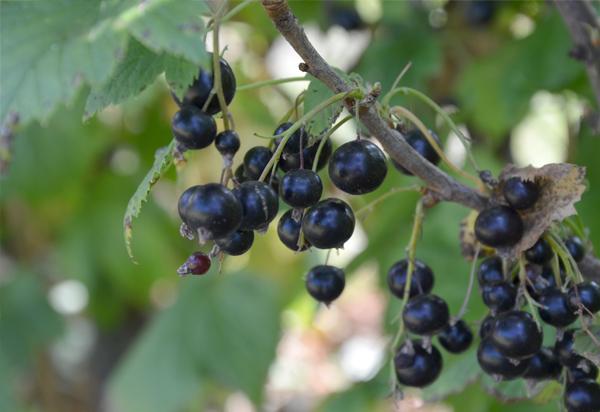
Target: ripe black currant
480, 12
456, 337
419, 142
543, 365
425, 314
325, 283
240, 175
289, 162
227, 143
516, 335
582, 396
499, 297
575, 247
328, 224
564, 348
288, 230
486, 326
416, 366
199, 91
540, 252
493, 362
490, 271
259, 204
498, 226
585, 295
212, 209
298, 139
581, 368
238, 243
520, 194
421, 281
300, 188
192, 128
255, 161
345, 17
555, 308
357, 167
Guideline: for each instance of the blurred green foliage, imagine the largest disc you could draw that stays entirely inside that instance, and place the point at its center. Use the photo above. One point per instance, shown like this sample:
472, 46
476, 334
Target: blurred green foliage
63, 199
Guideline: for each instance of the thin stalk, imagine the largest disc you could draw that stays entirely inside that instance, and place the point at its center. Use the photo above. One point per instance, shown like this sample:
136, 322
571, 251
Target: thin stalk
217, 69
369, 206
523, 282
465, 304
274, 82
398, 78
324, 140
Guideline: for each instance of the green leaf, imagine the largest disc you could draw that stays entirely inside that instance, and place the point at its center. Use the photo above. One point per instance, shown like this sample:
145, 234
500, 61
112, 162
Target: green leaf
513, 390
221, 328
587, 345
135, 72
49, 50
162, 161
315, 94
459, 371
168, 25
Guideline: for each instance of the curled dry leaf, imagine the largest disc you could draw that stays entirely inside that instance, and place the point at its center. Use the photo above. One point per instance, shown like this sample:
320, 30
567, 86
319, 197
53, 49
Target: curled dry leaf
561, 186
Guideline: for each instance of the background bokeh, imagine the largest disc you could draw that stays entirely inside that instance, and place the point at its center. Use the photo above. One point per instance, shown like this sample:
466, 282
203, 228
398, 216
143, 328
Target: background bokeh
83, 328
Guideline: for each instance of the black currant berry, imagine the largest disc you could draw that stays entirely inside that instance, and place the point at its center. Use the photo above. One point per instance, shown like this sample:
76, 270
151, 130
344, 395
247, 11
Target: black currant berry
419, 142
456, 337
345, 17
490, 271
486, 326
540, 252
238, 243
259, 204
328, 224
555, 308
298, 139
289, 162
240, 175
582, 396
499, 297
581, 368
255, 161
325, 283
516, 335
585, 295
197, 263
564, 348
493, 362
575, 247
357, 167
425, 314
300, 188
520, 194
499, 226
480, 12
199, 91
212, 209
421, 281
192, 128
539, 279
543, 365
227, 143
288, 230
416, 366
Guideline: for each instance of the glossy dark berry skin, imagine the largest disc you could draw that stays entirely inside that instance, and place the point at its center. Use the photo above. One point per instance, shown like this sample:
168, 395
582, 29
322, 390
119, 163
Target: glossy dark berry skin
539, 280
520, 194
328, 224
486, 326
426, 314
198, 263
480, 12
298, 139
585, 295
540, 252
456, 338
300, 188
421, 281
419, 142
259, 204
575, 247
289, 162
493, 362
357, 167
255, 161
564, 348
555, 308
415, 366
582, 396
325, 283
199, 91
499, 226
346, 17
499, 297
543, 365
238, 243
288, 231
581, 368
516, 335
240, 175
192, 128
212, 208
227, 143
490, 271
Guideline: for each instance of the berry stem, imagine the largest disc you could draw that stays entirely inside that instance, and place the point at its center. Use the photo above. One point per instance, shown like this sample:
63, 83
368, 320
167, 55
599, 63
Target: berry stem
257, 85
561, 250
369, 206
465, 304
217, 68
397, 81
523, 283
324, 140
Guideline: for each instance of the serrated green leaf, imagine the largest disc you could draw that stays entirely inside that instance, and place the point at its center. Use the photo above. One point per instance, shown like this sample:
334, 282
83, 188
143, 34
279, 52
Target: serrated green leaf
587, 343
135, 72
163, 159
316, 93
513, 390
49, 50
